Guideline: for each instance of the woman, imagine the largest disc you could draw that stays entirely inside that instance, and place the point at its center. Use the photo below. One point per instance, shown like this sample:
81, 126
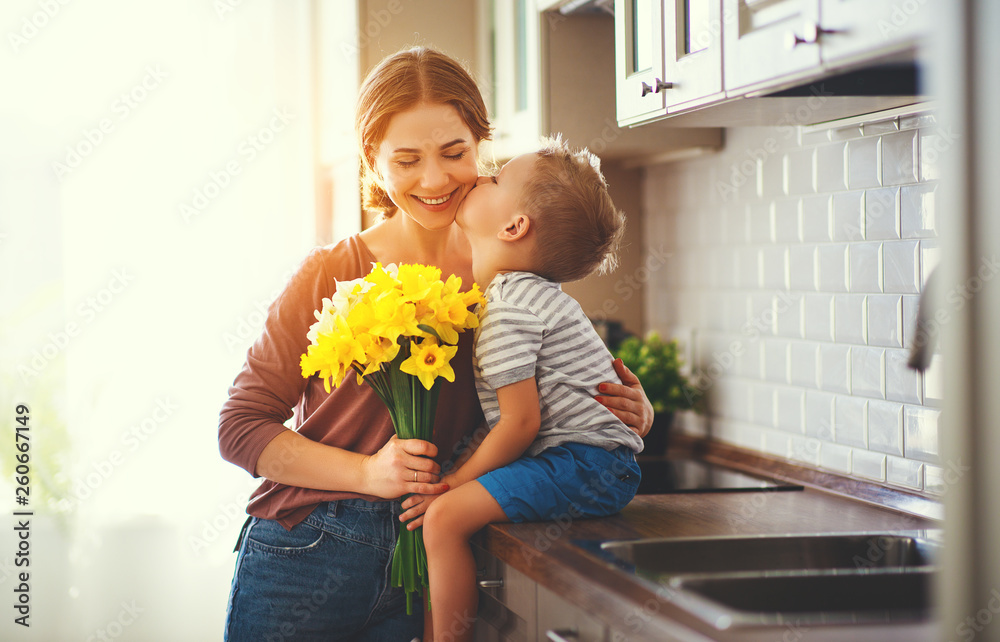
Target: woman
314, 559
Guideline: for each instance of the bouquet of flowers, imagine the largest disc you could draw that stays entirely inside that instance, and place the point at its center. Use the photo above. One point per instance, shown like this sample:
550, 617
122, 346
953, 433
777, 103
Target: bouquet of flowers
397, 328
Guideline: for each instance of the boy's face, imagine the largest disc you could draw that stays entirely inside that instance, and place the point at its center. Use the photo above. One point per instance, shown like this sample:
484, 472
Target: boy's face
491, 204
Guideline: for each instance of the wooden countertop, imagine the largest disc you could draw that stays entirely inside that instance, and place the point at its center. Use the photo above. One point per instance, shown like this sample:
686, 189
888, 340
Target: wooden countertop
544, 552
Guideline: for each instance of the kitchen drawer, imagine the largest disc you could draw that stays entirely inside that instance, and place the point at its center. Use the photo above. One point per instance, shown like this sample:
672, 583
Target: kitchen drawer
508, 606
559, 620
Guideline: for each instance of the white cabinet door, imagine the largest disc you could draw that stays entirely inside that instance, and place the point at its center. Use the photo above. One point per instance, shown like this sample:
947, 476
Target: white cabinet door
765, 40
692, 53
869, 29
638, 60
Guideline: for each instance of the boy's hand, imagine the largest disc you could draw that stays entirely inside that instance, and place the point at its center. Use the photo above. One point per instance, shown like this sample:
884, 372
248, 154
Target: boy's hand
627, 401
414, 508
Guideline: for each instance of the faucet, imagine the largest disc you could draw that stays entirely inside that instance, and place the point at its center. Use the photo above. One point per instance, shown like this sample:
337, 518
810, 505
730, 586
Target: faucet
925, 334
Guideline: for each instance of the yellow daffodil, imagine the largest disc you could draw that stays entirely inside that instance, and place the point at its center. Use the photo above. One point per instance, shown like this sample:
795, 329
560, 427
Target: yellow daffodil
428, 361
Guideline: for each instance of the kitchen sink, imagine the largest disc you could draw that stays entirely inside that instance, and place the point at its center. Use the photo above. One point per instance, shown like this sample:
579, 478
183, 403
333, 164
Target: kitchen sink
875, 598
811, 579
771, 553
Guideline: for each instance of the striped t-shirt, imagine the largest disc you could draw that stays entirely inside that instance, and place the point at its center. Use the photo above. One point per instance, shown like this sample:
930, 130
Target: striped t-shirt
529, 327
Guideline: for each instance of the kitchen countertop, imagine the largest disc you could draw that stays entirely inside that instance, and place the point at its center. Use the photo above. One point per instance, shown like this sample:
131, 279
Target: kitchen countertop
544, 552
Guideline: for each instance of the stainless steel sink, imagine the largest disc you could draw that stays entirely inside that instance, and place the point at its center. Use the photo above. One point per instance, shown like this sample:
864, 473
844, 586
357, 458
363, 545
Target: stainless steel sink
772, 553
766, 580
809, 599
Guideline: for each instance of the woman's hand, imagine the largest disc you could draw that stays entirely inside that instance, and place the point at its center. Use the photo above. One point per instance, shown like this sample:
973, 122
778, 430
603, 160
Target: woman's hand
402, 466
627, 400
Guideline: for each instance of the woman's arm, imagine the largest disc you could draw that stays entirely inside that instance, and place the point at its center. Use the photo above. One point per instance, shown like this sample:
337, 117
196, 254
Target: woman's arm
627, 400
295, 460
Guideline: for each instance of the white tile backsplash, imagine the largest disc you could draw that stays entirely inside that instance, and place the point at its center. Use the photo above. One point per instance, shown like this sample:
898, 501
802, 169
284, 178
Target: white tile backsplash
899, 158
818, 312
849, 216
920, 433
865, 267
901, 267
850, 421
882, 214
835, 368
917, 216
831, 263
850, 318
868, 372
885, 320
863, 163
817, 212
813, 271
831, 167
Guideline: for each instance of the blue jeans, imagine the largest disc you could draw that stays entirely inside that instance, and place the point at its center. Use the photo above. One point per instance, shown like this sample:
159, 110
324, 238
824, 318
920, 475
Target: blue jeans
326, 579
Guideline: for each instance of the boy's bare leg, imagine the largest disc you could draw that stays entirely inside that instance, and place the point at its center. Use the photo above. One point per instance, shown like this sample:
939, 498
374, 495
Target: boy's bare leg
449, 523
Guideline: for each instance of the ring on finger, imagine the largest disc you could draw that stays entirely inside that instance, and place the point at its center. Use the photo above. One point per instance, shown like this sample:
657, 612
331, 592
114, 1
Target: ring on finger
414, 475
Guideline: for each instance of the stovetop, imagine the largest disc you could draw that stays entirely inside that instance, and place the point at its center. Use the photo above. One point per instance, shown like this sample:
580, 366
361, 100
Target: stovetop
693, 476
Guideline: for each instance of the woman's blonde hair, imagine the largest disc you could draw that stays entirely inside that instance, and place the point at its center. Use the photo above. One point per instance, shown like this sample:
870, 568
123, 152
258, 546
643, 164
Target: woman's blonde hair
401, 82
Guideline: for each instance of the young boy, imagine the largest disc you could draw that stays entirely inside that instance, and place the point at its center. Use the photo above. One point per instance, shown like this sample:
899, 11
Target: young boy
552, 450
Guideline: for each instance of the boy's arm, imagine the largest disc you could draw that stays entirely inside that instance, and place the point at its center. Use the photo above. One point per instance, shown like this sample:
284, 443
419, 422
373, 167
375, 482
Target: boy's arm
520, 419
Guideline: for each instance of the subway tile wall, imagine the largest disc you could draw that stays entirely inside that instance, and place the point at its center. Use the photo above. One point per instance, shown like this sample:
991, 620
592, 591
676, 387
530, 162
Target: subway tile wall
798, 261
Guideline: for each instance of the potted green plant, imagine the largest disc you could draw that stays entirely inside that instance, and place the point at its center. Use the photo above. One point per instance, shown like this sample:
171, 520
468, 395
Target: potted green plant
658, 365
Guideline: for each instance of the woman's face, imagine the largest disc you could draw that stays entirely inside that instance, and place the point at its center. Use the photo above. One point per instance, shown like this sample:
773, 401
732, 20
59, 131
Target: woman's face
427, 163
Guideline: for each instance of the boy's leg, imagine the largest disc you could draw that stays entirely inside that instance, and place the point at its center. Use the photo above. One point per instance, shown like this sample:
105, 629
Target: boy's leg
449, 523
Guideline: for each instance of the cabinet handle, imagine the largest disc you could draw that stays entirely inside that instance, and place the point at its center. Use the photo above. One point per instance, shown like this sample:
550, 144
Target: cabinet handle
562, 635
660, 85
491, 583
810, 35
646, 89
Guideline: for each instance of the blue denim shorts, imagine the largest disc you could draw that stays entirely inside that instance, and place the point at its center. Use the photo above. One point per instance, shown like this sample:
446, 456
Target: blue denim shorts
573, 479
326, 579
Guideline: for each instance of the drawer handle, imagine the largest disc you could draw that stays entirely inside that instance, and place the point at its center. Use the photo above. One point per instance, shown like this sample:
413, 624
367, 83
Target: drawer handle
661, 85
646, 89
486, 584
562, 635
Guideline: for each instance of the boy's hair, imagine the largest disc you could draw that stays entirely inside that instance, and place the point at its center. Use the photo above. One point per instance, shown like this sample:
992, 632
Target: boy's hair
577, 227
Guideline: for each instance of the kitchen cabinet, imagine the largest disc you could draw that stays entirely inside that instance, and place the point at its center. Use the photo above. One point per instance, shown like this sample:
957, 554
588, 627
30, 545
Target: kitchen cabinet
766, 40
668, 57
639, 60
871, 29
560, 621
776, 40
673, 57
507, 601
553, 73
